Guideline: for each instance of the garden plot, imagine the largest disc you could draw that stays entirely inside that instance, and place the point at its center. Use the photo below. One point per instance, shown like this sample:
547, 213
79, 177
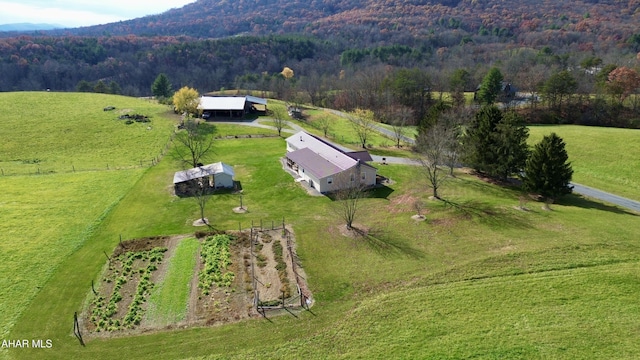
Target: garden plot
132, 272
150, 284
277, 276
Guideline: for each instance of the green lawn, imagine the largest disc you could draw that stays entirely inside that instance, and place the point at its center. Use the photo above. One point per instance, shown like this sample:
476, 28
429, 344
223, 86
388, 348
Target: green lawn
478, 279
603, 158
169, 299
59, 132
45, 219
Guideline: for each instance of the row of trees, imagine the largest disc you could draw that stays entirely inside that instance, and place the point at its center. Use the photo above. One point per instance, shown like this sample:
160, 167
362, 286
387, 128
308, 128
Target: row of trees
494, 143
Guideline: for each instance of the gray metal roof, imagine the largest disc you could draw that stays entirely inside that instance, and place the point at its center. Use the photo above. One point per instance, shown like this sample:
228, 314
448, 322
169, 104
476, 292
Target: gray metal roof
202, 171
314, 163
302, 140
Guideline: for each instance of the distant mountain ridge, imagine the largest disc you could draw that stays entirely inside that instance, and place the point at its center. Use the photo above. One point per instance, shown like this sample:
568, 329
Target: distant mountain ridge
21, 27
378, 19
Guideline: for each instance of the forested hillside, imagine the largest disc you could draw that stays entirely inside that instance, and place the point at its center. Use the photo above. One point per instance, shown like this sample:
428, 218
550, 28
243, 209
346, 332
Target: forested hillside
359, 46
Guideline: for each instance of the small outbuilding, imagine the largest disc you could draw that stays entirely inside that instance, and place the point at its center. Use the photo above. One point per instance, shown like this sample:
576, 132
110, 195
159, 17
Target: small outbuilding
211, 177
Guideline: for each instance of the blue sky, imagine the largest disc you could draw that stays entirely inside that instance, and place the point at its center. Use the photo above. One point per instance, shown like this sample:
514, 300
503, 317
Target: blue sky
75, 13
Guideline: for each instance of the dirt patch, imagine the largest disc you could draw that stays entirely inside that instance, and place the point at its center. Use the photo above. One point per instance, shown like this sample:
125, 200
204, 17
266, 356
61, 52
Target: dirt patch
277, 270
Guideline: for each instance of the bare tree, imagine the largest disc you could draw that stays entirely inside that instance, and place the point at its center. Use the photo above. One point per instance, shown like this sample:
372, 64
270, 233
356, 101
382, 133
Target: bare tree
279, 119
324, 125
456, 121
347, 198
200, 192
432, 148
363, 123
399, 122
194, 142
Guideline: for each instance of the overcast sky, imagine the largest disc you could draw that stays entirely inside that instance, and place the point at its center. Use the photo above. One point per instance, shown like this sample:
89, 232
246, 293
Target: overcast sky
75, 13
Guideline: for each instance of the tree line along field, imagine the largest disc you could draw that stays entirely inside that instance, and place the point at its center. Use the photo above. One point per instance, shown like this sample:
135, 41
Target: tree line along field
476, 279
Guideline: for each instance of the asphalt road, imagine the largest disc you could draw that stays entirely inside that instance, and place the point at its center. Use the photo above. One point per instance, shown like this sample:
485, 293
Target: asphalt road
606, 197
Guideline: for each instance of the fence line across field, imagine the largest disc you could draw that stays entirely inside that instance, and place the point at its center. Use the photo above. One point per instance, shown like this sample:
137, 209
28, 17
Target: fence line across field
72, 168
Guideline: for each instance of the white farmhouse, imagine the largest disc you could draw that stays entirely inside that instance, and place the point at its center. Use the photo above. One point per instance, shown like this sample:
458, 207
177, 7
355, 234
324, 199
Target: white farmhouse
325, 167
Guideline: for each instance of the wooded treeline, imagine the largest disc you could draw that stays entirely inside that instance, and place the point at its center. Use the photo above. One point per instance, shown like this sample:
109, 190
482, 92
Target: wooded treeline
394, 57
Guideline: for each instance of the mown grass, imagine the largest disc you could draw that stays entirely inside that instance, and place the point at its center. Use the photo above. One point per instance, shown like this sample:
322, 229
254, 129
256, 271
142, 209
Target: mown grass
456, 282
169, 300
477, 235
603, 158
62, 132
44, 220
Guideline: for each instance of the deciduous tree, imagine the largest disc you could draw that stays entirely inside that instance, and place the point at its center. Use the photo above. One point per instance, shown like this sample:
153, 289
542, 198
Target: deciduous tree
363, 123
194, 142
186, 100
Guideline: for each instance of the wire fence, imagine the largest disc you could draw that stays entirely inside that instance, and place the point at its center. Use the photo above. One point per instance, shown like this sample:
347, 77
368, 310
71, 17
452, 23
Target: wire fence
34, 167
301, 297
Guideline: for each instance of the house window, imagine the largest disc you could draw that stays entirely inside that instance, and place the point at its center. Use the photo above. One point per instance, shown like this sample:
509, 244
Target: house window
353, 177
330, 181
364, 176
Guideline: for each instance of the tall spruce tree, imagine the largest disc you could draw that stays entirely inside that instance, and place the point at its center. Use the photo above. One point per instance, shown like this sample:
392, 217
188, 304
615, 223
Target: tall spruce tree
548, 171
511, 146
161, 87
496, 143
490, 87
480, 141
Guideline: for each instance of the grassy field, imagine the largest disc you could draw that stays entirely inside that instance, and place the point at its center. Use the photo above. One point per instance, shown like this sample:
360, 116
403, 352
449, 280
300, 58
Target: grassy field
45, 219
479, 278
603, 158
168, 301
70, 131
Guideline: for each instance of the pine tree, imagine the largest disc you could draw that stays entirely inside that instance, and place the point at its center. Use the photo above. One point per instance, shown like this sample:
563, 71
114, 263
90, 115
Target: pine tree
480, 142
547, 171
490, 87
496, 143
161, 87
511, 145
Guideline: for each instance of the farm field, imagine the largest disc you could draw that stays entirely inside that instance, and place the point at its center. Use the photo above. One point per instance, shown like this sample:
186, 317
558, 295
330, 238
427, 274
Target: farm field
478, 278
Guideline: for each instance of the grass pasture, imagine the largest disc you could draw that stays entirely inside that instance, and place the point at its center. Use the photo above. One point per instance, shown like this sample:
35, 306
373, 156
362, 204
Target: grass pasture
59, 132
46, 218
603, 158
478, 279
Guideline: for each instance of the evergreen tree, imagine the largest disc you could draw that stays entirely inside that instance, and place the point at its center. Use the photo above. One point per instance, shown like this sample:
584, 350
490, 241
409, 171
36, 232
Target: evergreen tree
101, 87
547, 171
480, 142
511, 145
496, 143
161, 87
490, 87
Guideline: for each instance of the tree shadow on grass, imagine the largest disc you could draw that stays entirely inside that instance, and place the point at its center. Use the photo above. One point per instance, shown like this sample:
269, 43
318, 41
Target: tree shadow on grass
586, 203
384, 244
380, 192
488, 214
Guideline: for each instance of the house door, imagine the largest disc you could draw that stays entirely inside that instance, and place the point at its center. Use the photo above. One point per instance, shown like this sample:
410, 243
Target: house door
311, 184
